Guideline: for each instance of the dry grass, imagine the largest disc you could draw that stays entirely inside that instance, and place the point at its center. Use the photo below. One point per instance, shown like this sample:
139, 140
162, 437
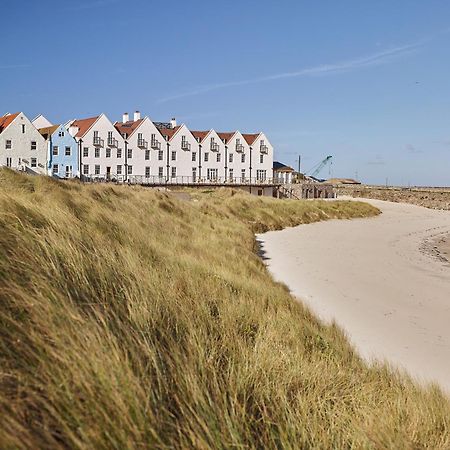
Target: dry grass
130, 319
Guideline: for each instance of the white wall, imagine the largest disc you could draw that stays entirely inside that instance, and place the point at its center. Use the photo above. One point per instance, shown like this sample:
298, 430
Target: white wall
212, 162
21, 153
267, 159
103, 125
235, 167
183, 162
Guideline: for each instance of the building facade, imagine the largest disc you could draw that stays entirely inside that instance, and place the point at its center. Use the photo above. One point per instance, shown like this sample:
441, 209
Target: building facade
22, 147
62, 151
101, 148
260, 156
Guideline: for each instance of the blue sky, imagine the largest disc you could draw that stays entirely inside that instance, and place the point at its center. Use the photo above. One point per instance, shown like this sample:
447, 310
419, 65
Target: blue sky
364, 81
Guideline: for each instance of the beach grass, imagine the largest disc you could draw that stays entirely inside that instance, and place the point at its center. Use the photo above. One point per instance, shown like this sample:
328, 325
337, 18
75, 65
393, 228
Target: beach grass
132, 318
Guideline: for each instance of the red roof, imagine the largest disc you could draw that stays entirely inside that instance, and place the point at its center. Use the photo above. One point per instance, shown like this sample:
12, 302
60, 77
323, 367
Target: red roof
251, 138
200, 135
128, 127
226, 136
6, 120
169, 132
84, 125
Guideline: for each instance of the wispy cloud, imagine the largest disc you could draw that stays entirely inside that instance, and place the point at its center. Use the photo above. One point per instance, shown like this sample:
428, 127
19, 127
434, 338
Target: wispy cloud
91, 4
373, 59
14, 66
412, 149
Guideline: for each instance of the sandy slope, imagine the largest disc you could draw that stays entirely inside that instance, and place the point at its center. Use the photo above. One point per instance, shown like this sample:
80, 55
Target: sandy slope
378, 279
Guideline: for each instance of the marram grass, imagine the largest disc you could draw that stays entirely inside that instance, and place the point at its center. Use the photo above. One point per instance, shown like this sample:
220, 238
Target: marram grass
130, 319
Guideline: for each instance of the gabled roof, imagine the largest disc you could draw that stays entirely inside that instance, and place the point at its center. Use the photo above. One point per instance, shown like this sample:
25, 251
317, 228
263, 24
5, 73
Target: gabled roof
251, 138
84, 125
226, 137
6, 120
280, 167
48, 131
129, 127
200, 135
169, 132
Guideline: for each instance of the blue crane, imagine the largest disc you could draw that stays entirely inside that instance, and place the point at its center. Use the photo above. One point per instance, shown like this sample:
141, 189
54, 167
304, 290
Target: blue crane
317, 168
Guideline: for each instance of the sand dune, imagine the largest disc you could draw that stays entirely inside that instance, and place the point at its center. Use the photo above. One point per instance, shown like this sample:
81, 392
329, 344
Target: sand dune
381, 279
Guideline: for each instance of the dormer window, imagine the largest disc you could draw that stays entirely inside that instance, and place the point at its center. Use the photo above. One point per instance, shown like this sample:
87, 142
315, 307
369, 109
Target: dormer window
23, 128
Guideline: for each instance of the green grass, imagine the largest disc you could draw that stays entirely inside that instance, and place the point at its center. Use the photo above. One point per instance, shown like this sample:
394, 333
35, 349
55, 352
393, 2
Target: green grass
131, 319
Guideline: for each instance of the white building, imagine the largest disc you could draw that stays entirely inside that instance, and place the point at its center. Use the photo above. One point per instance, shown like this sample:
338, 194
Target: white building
182, 152
41, 122
102, 148
260, 156
146, 151
211, 156
22, 147
237, 157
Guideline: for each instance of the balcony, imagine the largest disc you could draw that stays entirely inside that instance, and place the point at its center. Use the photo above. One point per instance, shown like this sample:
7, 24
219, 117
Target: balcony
264, 149
98, 142
240, 148
112, 142
214, 147
142, 143
185, 145
155, 144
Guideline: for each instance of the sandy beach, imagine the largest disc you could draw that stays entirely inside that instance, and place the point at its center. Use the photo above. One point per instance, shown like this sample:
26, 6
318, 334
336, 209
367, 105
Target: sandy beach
384, 280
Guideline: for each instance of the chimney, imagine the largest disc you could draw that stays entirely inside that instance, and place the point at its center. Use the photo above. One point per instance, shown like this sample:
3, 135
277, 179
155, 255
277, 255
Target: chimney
125, 117
137, 116
173, 122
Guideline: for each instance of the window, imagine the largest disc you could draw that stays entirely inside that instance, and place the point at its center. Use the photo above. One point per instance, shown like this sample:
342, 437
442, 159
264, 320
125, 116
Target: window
212, 174
231, 174
33, 162
108, 152
130, 153
119, 170
8, 145
129, 170
206, 156
194, 173
8, 161
218, 157
160, 155
230, 157
55, 150
243, 174
23, 128
174, 172
55, 169
243, 158
140, 138
194, 156
85, 152
61, 134
261, 175
68, 152
261, 158
147, 172
97, 170
97, 152
147, 155
160, 172
174, 156
33, 145
68, 171
85, 169
119, 153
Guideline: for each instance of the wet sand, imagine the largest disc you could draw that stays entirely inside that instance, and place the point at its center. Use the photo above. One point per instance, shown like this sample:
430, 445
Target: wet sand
384, 280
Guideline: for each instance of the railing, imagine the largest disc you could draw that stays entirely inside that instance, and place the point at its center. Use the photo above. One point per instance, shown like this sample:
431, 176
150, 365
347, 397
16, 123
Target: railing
264, 149
156, 180
142, 143
185, 145
239, 148
155, 144
112, 142
214, 147
98, 141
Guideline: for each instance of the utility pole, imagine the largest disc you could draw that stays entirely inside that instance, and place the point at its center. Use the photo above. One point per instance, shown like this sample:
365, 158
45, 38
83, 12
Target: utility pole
299, 162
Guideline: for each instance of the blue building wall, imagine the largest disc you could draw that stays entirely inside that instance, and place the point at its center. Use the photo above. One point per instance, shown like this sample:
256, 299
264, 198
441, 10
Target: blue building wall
61, 138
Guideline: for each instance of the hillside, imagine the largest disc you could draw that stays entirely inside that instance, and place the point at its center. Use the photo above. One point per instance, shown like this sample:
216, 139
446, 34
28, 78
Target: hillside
131, 318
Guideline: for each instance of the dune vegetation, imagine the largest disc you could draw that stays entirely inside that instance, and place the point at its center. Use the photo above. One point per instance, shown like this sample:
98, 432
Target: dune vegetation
132, 318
